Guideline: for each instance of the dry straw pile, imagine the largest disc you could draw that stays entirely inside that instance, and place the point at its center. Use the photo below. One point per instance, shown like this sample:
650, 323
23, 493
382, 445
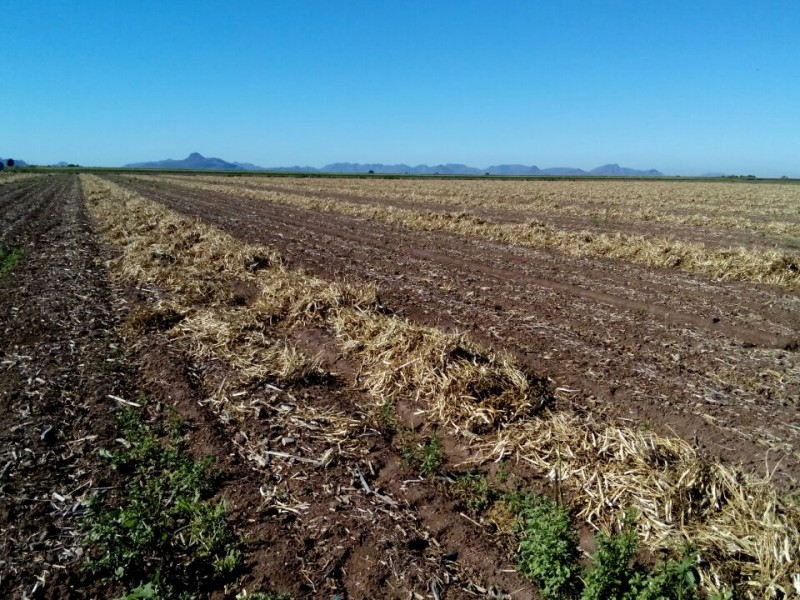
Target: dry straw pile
747, 535
454, 381
745, 532
7, 177
764, 208
195, 271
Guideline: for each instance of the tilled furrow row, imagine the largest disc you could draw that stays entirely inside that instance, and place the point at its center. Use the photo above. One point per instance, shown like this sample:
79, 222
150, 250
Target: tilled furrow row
29, 209
661, 293
633, 363
603, 465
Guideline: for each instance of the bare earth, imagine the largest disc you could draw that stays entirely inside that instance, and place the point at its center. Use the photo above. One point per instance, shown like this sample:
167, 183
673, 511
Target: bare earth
65, 373
714, 362
59, 362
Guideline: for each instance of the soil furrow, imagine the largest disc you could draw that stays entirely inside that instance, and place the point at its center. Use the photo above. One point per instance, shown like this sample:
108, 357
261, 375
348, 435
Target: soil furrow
713, 237
653, 292
333, 552
13, 192
712, 361
31, 204
59, 364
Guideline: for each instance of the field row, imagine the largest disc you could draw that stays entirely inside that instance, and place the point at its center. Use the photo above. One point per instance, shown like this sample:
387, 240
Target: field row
767, 210
395, 412
630, 340
742, 263
488, 401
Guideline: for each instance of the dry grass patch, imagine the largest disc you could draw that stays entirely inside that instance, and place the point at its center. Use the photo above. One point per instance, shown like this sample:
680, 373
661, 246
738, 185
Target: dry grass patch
452, 380
297, 299
235, 338
196, 269
766, 208
7, 177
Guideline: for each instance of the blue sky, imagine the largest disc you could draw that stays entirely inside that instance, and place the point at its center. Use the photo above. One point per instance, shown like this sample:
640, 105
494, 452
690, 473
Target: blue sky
684, 86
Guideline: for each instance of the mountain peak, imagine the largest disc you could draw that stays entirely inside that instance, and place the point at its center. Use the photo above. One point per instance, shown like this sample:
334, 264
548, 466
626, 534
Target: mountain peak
197, 162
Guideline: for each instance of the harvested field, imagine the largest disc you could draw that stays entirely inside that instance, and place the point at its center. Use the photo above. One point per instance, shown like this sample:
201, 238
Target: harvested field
714, 361
359, 374
60, 362
456, 283
711, 249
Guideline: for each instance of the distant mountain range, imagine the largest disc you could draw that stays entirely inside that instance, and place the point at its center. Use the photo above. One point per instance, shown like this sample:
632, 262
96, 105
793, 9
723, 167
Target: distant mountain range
199, 162
458, 169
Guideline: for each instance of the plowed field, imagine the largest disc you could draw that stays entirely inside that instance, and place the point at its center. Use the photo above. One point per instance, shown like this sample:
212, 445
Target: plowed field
380, 367
713, 361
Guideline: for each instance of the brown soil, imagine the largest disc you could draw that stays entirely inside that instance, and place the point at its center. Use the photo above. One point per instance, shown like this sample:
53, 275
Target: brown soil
715, 362
309, 531
331, 537
712, 237
59, 362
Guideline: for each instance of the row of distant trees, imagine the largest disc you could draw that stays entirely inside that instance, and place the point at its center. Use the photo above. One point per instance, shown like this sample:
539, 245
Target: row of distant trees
11, 162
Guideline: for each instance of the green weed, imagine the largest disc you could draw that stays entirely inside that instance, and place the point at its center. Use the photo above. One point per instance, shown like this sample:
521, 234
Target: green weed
548, 546
426, 457
431, 457
674, 580
385, 418
610, 574
9, 257
262, 596
163, 533
503, 472
473, 490
548, 555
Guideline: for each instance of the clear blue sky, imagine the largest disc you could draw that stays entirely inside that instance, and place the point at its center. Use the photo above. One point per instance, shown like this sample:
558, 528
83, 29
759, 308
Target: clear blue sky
682, 86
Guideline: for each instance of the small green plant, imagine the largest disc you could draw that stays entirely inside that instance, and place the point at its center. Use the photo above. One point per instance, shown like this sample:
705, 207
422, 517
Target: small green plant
473, 490
431, 457
427, 457
386, 420
502, 473
674, 580
261, 596
548, 555
9, 257
146, 590
548, 546
162, 533
610, 574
